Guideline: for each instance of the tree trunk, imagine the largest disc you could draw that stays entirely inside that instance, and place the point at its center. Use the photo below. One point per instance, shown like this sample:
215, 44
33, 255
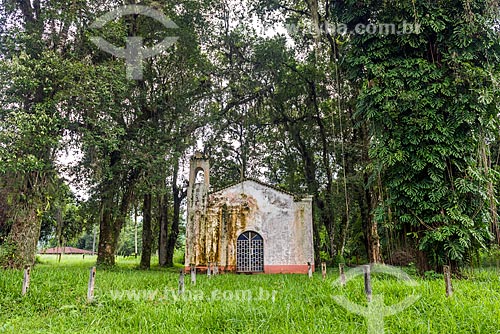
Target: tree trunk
370, 232
373, 241
344, 223
367, 202
22, 240
136, 248
163, 238
147, 233
174, 231
106, 248
422, 262
328, 219
111, 226
327, 209
60, 241
4, 209
178, 195
312, 184
112, 219
486, 162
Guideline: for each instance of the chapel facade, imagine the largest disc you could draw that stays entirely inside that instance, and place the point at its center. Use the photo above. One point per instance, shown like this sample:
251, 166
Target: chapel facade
247, 227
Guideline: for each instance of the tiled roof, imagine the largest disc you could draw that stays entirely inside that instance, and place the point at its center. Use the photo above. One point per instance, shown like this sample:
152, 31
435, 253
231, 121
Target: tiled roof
65, 250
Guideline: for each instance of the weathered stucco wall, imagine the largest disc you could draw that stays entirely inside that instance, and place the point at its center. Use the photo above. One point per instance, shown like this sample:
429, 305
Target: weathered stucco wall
216, 220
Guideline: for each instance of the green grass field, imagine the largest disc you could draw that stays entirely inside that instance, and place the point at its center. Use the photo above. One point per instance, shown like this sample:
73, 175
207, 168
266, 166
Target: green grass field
131, 301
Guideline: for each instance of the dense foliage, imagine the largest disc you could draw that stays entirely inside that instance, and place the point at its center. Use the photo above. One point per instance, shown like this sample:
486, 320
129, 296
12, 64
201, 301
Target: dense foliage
431, 100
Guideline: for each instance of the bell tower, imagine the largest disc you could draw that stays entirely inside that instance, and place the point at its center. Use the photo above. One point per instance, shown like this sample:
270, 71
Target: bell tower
199, 171
197, 199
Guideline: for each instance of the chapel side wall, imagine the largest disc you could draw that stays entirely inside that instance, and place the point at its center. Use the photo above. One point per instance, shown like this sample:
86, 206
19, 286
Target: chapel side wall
273, 223
303, 237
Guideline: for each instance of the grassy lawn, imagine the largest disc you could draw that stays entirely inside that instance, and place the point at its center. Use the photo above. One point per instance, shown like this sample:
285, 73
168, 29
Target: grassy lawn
133, 301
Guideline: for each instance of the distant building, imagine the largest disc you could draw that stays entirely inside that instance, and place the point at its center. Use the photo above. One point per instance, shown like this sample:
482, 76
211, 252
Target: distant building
248, 227
64, 250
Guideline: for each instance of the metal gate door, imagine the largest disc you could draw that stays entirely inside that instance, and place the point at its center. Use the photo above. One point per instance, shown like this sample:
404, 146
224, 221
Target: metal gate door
250, 253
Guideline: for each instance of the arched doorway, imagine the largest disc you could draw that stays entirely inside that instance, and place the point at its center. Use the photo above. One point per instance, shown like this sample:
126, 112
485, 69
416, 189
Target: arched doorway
250, 253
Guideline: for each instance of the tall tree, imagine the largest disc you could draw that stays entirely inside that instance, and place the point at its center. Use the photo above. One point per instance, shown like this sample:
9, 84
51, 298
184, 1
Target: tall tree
429, 98
33, 66
132, 137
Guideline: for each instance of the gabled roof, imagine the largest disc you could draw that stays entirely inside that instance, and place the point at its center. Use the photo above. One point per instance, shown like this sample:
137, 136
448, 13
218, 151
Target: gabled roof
267, 185
65, 250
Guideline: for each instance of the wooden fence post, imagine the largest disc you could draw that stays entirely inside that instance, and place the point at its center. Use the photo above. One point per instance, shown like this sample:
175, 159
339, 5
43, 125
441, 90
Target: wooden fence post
181, 282
323, 270
90, 290
309, 269
26, 280
342, 274
193, 274
447, 281
368, 282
